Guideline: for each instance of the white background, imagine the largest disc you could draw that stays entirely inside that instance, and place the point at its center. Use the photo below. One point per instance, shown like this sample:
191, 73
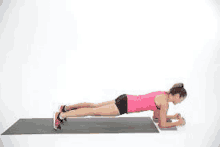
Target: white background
66, 52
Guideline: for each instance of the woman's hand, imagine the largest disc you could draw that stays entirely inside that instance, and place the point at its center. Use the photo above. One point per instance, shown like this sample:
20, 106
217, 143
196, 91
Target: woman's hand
182, 121
177, 115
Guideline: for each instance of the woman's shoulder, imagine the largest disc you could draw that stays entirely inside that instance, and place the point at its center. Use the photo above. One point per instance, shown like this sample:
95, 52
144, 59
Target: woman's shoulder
162, 100
162, 97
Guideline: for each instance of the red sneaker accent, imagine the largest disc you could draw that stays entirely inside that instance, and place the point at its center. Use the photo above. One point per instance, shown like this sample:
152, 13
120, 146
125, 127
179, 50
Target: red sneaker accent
57, 121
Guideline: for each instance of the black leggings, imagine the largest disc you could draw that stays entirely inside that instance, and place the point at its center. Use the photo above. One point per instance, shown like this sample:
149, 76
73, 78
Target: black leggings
121, 103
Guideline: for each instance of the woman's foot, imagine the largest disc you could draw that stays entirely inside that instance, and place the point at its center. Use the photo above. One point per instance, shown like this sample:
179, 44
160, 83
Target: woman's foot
57, 121
63, 108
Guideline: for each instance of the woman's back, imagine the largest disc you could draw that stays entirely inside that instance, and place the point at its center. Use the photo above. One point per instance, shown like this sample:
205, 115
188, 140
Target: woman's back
143, 102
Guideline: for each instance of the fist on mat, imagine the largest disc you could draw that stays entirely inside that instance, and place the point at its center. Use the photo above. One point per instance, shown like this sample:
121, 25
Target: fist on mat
182, 121
177, 115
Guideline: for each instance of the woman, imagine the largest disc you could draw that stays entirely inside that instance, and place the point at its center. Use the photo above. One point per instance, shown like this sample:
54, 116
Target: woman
155, 101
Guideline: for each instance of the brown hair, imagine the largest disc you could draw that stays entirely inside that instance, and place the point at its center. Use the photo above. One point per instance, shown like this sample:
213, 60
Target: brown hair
178, 88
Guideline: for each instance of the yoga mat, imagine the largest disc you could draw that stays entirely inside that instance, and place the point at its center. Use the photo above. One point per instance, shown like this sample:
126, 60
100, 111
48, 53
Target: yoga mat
81, 125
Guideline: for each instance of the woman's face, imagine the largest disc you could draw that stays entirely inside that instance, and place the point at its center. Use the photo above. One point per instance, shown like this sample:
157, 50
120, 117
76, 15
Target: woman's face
178, 99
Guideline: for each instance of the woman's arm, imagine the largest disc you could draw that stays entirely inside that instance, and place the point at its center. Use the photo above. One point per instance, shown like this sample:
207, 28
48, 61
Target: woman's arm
171, 116
157, 115
170, 124
163, 118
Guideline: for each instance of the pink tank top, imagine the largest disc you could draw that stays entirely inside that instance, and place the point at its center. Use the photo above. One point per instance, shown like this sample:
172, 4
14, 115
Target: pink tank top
142, 102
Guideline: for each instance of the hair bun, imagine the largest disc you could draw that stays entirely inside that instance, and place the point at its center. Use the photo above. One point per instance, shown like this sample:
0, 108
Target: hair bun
178, 85
181, 85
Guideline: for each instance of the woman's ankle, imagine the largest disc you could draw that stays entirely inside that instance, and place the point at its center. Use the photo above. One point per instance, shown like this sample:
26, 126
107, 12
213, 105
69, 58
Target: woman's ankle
62, 116
66, 108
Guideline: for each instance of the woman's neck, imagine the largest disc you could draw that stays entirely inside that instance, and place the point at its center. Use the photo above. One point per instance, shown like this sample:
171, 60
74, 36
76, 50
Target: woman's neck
167, 92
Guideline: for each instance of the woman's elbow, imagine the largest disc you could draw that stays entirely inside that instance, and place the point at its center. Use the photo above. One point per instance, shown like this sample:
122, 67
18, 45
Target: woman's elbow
160, 126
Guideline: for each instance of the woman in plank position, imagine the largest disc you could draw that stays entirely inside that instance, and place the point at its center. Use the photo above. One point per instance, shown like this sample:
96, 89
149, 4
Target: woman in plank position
154, 101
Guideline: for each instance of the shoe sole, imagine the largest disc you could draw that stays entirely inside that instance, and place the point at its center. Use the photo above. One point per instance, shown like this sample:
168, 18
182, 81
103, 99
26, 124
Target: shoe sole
54, 120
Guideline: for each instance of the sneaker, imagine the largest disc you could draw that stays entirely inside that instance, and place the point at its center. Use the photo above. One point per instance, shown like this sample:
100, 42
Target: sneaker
57, 121
62, 109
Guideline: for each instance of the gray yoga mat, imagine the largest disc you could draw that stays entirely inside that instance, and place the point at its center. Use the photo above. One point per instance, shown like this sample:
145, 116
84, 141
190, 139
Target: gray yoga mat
82, 125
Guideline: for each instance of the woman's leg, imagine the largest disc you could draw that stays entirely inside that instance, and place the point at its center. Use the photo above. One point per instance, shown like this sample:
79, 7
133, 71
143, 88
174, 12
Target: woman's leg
80, 105
89, 105
77, 113
106, 110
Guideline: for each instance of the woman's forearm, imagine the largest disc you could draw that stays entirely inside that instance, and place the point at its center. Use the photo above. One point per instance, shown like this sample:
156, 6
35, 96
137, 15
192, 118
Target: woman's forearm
170, 124
168, 117
171, 117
